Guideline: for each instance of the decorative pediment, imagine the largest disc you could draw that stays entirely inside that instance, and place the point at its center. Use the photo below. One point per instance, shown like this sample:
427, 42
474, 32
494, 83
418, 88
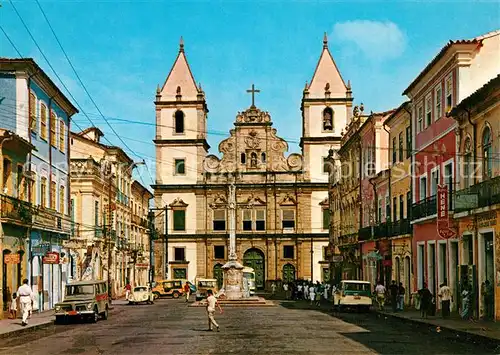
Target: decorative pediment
288, 200
178, 203
219, 201
253, 114
324, 203
254, 201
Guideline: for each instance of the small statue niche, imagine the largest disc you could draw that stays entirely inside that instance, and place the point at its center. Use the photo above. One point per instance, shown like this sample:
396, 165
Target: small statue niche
253, 160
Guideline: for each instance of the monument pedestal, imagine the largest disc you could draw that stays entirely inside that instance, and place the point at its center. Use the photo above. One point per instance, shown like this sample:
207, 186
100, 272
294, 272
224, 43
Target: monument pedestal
233, 280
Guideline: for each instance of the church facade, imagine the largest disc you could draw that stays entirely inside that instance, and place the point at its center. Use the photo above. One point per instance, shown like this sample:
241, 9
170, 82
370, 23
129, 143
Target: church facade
282, 215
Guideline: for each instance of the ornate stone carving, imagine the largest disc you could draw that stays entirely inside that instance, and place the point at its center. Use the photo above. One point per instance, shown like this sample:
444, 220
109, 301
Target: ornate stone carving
252, 140
288, 200
295, 162
211, 164
178, 202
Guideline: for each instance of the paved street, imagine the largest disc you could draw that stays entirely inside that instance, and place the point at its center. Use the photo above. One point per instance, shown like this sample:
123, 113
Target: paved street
170, 327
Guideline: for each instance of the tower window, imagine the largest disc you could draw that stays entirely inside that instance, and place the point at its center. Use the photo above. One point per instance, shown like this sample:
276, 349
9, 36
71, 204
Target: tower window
253, 160
243, 158
179, 122
327, 119
263, 157
180, 167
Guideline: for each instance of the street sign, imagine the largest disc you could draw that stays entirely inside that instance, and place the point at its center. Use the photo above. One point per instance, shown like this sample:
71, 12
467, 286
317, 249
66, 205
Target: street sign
443, 218
51, 257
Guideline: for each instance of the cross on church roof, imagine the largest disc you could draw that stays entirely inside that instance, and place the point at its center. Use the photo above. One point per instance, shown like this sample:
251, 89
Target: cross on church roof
253, 91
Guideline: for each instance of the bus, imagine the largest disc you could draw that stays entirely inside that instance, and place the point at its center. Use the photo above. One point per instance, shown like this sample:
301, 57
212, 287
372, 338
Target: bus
249, 274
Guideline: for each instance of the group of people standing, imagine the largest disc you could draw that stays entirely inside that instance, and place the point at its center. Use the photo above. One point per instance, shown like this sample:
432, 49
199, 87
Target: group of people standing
396, 294
306, 290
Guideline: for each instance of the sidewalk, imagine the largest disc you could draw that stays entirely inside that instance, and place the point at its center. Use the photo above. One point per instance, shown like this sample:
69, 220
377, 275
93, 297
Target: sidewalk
9, 327
480, 329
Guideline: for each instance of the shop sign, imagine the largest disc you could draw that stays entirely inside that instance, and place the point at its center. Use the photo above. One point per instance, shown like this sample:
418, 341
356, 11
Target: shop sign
488, 219
142, 265
51, 257
443, 218
13, 258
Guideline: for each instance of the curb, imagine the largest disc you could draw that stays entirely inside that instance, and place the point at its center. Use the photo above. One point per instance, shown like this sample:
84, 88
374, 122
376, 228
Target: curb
23, 330
467, 335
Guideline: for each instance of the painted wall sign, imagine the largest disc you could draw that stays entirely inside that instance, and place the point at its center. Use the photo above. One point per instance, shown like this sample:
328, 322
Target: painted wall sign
13, 258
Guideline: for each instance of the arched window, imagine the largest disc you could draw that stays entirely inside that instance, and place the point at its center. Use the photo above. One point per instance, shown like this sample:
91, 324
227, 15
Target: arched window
263, 157
243, 158
179, 122
328, 119
487, 161
467, 162
253, 160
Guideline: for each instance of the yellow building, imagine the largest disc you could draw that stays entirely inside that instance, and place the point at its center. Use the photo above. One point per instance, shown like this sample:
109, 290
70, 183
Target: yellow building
101, 182
477, 201
350, 202
399, 197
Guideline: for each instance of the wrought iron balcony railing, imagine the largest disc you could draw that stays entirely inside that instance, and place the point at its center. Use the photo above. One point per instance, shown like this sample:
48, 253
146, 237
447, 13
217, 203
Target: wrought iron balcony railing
365, 233
401, 227
484, 194
15, 210
424, 208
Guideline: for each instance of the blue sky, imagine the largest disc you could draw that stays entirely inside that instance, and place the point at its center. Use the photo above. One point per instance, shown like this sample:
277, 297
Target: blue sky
124, 49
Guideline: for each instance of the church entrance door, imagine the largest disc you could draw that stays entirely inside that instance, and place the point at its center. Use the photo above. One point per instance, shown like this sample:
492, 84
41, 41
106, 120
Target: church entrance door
218, 274
254, 258
288, 273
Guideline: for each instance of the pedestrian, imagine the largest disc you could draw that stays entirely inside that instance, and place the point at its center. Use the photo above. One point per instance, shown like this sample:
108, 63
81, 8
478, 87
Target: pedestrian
306, 291
212, 303
446, 297
325, 292
394, 292
13, 307
318, 297
425, 300
401, 294
465, 311
187, 291
285, 289
299, 291
488, 299
311, 293
128, 289
26, 297
380, 294
273, 290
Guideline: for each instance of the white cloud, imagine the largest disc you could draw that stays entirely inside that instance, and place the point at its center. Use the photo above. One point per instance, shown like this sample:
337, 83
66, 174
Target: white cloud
375, 39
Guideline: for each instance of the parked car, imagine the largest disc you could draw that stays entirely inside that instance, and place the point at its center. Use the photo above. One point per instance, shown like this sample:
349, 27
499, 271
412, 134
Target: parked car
168, 288
203, 285
141, 294
87, 300
353, 294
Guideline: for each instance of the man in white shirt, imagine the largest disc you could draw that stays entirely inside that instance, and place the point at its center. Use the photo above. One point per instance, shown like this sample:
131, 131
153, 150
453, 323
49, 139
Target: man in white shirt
285, 288
446, 296
380, 291
211, 304
26, 298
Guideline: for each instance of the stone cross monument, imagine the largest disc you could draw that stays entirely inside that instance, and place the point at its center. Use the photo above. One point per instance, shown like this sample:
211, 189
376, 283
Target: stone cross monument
233, 270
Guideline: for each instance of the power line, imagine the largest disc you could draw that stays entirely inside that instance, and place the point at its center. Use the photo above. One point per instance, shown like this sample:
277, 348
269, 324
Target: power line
10, 41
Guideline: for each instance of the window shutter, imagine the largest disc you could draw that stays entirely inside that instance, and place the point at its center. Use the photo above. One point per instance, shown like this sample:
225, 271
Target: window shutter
260, 215
288, 215
219, 215
247, 215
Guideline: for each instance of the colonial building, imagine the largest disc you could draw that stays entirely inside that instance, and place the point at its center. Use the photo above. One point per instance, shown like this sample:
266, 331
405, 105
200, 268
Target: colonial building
101, 179
35, 109
281, 198
477, 201
16, 213
399, 157
459, 69
140, 238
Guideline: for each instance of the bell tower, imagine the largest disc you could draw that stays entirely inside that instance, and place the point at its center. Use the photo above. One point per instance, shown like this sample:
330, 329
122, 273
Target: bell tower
181, 125
326, 107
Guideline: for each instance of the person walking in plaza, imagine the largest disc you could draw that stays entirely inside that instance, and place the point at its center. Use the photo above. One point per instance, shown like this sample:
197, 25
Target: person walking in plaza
446, 297
394, 293
13, 307
312, 293
425, 300
285, 289
299, 291
466, 310
128, 289
273, 290
380, 294
401, 297
187, 291
26, 297
306, 291
488, 300
212, 303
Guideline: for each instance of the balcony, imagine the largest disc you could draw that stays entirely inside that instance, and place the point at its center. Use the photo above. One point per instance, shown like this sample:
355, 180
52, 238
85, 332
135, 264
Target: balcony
365, 234
401, 227
480, 195
136, 220
51, 219
15, 210
424, 208
381, 231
